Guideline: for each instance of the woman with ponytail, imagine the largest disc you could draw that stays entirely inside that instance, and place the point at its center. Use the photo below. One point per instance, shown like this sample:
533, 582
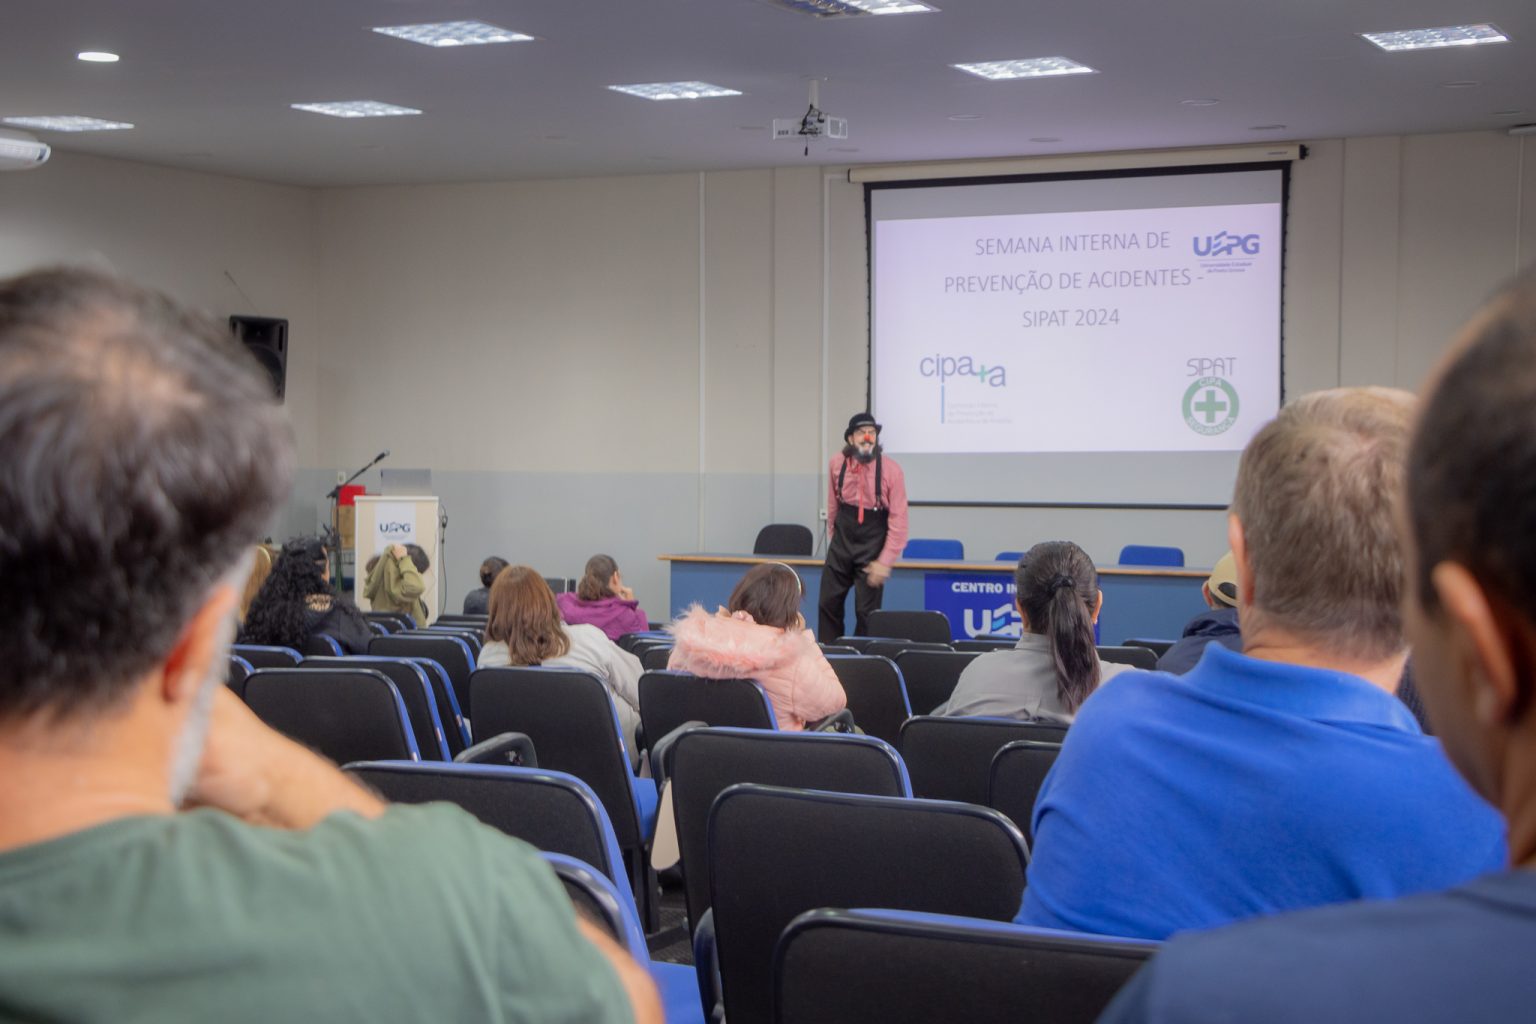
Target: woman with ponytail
1054, 667
602, 600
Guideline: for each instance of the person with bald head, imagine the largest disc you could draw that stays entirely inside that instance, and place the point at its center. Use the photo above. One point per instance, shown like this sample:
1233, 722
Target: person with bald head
1462, 955
1287, 775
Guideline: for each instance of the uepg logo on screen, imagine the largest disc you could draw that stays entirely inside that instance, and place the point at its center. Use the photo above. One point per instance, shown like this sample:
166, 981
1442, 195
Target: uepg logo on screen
1226, 243
947, 368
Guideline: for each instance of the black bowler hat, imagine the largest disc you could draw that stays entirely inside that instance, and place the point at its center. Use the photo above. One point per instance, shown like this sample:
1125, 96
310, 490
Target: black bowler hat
860, 419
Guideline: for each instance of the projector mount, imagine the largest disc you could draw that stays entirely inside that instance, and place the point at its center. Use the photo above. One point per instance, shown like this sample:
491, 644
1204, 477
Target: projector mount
813, 124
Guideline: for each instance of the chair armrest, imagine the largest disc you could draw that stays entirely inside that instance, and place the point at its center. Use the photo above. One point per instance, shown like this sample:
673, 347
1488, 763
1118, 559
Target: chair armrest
508, 748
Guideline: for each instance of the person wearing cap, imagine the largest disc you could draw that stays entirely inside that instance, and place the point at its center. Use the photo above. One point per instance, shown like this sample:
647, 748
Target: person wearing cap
1219, 625
867, 524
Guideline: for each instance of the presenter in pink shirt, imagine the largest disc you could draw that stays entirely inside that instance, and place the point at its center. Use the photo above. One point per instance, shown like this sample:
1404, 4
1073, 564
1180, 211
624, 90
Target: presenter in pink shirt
867, 519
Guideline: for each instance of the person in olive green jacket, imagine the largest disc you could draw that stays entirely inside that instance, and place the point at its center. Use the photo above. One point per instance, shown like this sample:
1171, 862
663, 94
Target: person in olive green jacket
395, 584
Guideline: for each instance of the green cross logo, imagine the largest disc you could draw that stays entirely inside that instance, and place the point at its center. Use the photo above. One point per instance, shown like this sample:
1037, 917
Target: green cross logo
1210, 406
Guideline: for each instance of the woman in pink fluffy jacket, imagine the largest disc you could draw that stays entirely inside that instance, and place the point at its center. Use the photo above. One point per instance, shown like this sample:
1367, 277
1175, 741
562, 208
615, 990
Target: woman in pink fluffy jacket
760, 635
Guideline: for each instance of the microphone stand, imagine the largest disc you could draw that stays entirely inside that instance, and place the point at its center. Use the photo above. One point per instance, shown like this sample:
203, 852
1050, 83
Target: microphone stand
333, 541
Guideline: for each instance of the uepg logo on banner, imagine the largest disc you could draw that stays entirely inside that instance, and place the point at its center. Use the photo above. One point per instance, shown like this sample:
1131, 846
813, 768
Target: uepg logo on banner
976, 604
1225, 244
947, 368
395, 529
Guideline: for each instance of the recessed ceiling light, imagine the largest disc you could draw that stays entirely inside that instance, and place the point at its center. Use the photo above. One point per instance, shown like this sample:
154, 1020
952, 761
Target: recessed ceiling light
1046, 138
851, 8
675, 90
1033, 67
97, 57
1466, 83
68, 123
1509, 113
1432, 38
454, 33
1267, 128
965, 117
355, 108
1199, 103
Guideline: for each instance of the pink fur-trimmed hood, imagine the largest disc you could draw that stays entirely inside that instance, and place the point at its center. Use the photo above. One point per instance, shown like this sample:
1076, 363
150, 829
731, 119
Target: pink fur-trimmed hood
724, 645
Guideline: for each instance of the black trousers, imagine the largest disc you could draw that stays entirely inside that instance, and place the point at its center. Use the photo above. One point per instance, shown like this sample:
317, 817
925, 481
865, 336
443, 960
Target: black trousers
854, 545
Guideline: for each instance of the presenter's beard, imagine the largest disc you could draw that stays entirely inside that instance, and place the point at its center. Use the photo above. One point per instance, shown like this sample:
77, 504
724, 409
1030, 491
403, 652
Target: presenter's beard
865, 452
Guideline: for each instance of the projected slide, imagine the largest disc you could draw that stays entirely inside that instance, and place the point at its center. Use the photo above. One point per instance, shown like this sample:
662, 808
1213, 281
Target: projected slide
1088, 331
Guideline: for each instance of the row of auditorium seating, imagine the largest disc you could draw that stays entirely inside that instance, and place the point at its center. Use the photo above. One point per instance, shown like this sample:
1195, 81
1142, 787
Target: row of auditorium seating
795, 540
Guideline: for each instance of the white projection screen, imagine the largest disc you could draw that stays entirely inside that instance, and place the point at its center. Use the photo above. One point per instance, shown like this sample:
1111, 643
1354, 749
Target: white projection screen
1089, 339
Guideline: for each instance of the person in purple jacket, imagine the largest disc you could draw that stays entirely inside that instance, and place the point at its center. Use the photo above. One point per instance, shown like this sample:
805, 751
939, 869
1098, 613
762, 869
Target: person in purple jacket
602, 600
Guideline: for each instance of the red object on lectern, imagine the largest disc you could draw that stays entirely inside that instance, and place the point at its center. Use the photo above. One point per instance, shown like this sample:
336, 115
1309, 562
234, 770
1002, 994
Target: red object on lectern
349, 493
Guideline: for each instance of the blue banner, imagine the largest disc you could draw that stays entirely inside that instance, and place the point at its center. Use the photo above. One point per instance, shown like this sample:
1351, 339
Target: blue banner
977, 604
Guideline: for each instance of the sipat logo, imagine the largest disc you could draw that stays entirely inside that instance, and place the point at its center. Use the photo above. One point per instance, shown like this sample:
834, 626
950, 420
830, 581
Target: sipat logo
1225, 244
1210, 406
947, 368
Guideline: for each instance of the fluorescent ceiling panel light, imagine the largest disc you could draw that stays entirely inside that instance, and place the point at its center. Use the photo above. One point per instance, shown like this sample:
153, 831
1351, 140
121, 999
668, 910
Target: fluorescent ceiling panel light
1433, 38
355, 108
68, 124
454, 33
97, 57
851, 8
675, 90
1034, 67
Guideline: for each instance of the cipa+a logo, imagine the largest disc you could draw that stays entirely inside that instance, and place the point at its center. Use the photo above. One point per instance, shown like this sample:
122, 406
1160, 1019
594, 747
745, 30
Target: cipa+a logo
947, 368
1225, 244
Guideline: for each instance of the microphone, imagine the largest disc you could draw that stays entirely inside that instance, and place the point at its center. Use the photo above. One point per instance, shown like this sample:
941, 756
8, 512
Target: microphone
381, 456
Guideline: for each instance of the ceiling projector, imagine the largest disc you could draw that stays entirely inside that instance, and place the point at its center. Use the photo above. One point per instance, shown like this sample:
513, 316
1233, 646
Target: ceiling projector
813, 124
20, 151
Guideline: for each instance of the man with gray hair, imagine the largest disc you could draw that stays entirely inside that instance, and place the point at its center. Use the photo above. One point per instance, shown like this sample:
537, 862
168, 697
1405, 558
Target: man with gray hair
1288, 775
164, 855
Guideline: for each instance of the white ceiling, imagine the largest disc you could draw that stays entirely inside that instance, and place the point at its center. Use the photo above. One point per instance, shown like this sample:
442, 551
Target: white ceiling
208, 82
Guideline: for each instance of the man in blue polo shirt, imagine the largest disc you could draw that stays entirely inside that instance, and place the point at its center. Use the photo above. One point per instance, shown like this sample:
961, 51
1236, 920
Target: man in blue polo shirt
1463, 955
1287, 776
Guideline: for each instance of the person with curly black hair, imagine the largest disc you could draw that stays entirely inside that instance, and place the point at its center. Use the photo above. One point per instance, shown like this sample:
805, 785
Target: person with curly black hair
296, 603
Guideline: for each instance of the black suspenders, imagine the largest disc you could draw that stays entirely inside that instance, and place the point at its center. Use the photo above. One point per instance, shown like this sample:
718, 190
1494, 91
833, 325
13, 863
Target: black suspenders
844, 472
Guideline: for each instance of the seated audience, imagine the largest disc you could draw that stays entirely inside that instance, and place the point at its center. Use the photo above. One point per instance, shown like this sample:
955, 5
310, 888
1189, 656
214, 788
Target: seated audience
761, 635
1462, 955
296, 602
1054, 667
394, 582
262, 557
1219, 625
1289, 775
164, 856
525, 629
602, 600
477, 602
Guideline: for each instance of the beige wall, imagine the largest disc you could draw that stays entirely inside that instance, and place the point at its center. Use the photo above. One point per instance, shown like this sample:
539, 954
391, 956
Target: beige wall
540, 345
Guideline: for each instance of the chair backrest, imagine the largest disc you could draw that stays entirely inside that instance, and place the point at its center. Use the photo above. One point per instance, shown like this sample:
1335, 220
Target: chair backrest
784, 539
320, 645
876, 694
668, 699
938, 548
891, 648
451, 652
553, 811
398, 622
930, 676
926, 626
473, 638
235, 675
455, 727
951, 758
706, 762
263, 656
1135, 656
868, 966
1009, 556
352, 714
1018, 770
415, 689
858, 643
601, 902
1157, 647
831, 649
556, 583
629, 641
983, 644
1151, 554
469, 621
775, 853
574, 726
654, 659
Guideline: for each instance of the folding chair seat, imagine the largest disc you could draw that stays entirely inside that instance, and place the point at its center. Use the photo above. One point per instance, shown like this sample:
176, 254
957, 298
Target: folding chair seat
934, 548
1134, 656
926, 626
775, 853
707, 762
784, 539
884, 648
951, 758
877, 696
1018, 770
264, 656
353, 714
416, 691
670, 699
571, 718
869, 966
451, 652
930, 676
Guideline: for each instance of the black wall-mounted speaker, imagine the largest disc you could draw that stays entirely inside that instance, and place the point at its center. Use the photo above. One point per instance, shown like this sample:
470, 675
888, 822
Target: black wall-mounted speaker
266, 339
